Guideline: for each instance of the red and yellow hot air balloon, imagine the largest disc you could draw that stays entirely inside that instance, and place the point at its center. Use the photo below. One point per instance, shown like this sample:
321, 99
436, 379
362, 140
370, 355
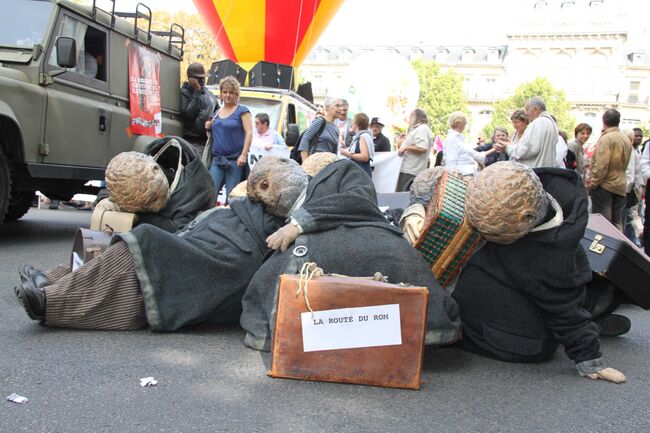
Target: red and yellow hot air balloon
276, 31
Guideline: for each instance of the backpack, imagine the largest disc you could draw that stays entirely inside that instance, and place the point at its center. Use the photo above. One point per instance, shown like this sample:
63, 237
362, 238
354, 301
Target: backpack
295, 153
570, 161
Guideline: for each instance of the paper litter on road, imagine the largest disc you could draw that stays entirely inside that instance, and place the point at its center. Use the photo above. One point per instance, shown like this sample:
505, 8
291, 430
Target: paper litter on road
17, 398
148, 381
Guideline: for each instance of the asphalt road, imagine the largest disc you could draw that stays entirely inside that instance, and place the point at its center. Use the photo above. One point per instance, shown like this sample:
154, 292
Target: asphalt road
88, 381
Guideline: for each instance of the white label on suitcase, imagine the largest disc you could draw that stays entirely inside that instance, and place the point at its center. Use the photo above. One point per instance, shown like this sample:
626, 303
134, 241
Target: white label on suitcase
347, 328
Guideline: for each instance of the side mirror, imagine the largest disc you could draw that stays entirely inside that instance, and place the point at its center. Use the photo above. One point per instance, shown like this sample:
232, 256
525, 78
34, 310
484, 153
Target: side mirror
292, 134
66, 52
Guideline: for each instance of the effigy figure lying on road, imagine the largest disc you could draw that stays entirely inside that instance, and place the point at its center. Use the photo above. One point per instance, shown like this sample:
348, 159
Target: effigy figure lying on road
169, 281
522, 292
341, 229
151, 276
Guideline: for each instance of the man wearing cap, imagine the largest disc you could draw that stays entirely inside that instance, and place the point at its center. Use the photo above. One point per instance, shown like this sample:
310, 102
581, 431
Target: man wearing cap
381, 141
197, 106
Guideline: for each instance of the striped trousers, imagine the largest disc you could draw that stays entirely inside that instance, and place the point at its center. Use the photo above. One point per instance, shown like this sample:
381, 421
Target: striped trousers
102, 294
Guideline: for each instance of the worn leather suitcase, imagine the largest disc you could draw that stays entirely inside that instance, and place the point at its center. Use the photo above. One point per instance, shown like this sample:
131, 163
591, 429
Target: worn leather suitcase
385, 321
614, 257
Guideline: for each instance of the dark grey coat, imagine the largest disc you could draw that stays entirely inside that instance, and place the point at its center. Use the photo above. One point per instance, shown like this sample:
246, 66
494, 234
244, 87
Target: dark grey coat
518, 301
201, 273
346, 233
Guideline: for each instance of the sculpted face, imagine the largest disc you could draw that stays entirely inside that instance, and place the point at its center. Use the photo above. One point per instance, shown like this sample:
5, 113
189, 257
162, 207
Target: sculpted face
277, 183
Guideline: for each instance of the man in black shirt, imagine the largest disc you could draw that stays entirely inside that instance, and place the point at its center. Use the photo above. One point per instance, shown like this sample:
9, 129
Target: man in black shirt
381, 141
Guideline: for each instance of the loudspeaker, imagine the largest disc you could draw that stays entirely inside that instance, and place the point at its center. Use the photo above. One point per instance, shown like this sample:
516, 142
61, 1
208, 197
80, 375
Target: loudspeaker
305, 91
225, 68
271, 75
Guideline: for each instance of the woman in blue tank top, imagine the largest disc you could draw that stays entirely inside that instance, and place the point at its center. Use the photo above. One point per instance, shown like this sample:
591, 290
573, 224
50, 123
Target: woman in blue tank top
232, 133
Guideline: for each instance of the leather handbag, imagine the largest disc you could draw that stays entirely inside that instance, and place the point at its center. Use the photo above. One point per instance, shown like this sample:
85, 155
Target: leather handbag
359, 331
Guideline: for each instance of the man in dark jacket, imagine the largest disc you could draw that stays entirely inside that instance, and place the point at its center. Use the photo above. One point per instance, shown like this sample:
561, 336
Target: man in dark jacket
519, 301
197, 107
341, 229
381, 141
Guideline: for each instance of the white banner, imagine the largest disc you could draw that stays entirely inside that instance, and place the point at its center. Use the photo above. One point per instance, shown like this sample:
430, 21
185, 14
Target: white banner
386, 172
346, 328
257, 151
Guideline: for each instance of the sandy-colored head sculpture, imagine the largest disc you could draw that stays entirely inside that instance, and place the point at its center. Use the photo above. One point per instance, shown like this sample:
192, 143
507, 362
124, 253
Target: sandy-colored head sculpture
424, 185
505, 202
318, 161
136, 183
277, 183
238, 192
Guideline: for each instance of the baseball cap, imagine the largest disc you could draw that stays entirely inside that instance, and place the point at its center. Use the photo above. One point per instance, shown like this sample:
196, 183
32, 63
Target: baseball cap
196, 70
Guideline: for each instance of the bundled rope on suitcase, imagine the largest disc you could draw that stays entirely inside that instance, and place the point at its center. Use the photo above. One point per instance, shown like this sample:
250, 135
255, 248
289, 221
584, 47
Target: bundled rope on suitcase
310, 270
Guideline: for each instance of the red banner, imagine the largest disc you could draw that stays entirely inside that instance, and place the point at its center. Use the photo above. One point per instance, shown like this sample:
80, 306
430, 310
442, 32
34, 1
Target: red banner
144, 91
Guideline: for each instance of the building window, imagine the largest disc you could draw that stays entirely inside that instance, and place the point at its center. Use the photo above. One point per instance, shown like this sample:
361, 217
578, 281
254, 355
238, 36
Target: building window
636, 57
567, 4
590, 115
441, 55
323, 55
485, 113
630, 122
493, 55
468, 55
416, 53
343, 55
539, 4
633, 94
596, 3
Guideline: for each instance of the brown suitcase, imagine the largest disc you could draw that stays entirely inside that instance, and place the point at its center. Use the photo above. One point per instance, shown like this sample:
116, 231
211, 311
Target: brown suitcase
385, 349
615, 257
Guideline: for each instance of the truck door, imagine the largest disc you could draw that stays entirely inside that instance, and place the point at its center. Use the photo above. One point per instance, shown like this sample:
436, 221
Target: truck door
79, 106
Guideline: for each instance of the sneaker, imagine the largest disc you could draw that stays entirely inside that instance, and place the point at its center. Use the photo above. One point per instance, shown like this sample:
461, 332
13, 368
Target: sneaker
613, 325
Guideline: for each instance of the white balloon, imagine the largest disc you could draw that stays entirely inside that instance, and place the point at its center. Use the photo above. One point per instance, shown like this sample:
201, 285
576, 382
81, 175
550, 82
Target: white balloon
381, 84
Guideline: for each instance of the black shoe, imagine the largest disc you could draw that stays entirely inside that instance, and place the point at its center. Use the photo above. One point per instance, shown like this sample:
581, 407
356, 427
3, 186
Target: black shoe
30, 273
613, 325
32, 299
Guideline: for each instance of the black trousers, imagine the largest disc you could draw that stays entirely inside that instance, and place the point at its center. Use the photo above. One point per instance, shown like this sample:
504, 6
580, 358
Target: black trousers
646, 223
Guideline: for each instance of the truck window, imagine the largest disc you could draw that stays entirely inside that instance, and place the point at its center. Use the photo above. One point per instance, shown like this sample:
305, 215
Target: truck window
24, 23
291, 113
304, 116
91, 49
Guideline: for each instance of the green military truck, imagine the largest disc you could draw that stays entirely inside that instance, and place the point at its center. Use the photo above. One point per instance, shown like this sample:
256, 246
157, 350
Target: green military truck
64, 94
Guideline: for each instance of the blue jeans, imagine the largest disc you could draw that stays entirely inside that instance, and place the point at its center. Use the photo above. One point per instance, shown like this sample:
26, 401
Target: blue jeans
231, 175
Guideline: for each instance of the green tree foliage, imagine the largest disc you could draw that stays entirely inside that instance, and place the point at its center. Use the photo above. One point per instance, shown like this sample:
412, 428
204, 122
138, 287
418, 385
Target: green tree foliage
556, 104
440, 94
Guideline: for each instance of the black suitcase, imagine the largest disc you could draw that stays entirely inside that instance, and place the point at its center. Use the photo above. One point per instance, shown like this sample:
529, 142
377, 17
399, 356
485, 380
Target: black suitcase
616, 258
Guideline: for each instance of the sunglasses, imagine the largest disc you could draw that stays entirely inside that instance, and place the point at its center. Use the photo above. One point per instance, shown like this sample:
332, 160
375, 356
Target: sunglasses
201, 80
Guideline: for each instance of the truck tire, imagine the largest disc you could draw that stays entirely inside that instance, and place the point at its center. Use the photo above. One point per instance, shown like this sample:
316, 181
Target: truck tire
5, 186
19, 204
13, 204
